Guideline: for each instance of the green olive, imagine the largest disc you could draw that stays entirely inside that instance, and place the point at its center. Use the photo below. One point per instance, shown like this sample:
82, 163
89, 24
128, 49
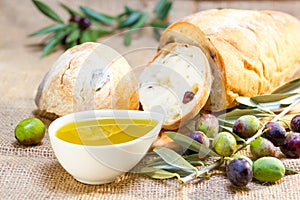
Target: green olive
261, 147
30, 131
268, 169
224, 144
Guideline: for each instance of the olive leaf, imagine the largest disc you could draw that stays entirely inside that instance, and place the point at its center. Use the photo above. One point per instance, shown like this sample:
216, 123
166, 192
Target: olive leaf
157, 33
70, 10
127, 38
87, 36
141, 22
289, 100
47, 11
174, 159
52, 43
246, 101
158, 24
48, 29
162, 9
191, 144
158, 173
96, 16
289, 170
268, 98
236, 113
288, 87
193, 159
73, 36
131, 19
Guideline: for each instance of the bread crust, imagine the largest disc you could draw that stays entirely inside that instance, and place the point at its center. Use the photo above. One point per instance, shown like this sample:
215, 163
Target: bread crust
250, 52
88, 76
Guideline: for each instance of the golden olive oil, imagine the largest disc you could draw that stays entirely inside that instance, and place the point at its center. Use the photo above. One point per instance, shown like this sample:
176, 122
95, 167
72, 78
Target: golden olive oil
105, 131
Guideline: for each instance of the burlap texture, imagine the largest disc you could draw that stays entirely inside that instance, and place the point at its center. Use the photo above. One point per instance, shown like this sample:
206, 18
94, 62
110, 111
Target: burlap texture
34, 172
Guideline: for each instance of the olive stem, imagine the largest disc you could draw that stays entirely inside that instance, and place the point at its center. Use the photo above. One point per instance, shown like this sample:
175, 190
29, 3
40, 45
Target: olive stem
202, 171
260, 131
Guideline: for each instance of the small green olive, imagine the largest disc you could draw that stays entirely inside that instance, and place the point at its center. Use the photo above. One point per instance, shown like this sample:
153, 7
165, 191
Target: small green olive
30, 131
268, 169
224, 143
261, 147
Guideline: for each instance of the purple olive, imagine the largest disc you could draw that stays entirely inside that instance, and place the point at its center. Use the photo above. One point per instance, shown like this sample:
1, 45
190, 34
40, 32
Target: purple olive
75, 18
274, 132
246, 126
295, 123
84, 23
291, 146
239, 172
199, 137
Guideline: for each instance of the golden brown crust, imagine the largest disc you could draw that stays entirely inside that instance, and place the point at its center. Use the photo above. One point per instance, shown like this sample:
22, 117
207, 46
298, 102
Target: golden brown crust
85, 77
251, 52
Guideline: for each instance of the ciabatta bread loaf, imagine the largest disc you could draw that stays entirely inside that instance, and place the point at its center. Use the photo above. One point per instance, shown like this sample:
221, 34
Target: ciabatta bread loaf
85, 77
250, 52
177, 83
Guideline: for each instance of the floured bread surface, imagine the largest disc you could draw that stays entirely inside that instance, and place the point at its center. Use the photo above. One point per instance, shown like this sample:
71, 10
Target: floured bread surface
177, 83
88, 76
250, 52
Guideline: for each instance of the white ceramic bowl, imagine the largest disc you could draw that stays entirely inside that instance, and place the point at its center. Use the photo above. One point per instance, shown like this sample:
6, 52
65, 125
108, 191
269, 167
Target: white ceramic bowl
102, 164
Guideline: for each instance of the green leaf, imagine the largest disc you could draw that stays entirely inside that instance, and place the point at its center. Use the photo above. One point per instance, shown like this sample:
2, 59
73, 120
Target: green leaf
52, 43
141, 21
164, 11
96, 16
270, 97
185, 141
289, 170
127, 38
73, 36
131, 19
71, 44
191, 144
157, 33
236, 113
158, 173
159, 6
48, 29
86, 36
289, 100
174, 159
246, 101
159, 24
291, 86
47, 11
71, 11
100, 32
129, 10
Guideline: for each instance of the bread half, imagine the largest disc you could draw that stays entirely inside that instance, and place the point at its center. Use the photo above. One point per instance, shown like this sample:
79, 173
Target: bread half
85, 77
250, 52
176, 83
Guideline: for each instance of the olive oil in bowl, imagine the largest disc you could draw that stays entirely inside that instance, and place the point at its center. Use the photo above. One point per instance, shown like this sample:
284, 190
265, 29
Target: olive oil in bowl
105, 131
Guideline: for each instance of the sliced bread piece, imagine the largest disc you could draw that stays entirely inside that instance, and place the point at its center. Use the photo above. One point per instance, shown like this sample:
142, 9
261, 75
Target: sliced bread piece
176, 83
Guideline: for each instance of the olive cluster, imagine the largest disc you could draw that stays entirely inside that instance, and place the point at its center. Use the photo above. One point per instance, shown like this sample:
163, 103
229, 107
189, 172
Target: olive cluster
240, 169
82, 23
